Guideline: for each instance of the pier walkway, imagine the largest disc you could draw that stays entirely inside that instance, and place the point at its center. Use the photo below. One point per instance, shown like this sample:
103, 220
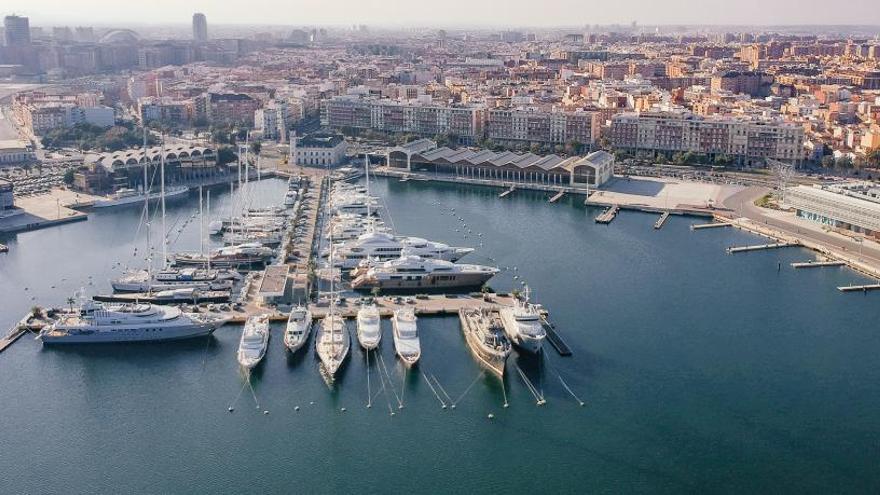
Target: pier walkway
608, 215
557, 196
555, 339
713, 225
761, 247
505, 193
859, 288
817, 264
661, 221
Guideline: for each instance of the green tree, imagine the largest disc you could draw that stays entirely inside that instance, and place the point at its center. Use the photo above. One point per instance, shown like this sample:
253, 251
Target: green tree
226, 155
256, 147
873, 157
827, 161
69, 176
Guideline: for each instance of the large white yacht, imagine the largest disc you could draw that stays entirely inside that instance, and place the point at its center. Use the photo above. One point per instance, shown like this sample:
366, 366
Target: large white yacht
254, 341
523, 324
406, 336
99, 323
299, 326
229, 256
175, 278
415, 272
383, 246
369, 326
128, 196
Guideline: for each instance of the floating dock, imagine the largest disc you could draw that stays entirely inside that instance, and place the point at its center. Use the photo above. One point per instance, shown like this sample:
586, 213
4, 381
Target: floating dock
557, 196
859, 288
608, 215
713, 225
817, 264
662, 220
555, 339
761, 247
505, 193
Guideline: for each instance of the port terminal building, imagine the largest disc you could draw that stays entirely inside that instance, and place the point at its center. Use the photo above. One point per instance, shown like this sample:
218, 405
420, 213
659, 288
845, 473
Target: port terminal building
851, 206
126, 168
423, 155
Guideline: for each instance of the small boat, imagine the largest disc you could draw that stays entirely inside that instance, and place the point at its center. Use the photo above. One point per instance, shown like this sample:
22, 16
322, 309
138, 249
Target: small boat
299, 326
485, 339
369, 327
254, 341
406, 336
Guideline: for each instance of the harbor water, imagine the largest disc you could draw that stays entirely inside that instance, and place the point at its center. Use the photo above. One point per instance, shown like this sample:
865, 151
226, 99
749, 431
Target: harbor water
700, 371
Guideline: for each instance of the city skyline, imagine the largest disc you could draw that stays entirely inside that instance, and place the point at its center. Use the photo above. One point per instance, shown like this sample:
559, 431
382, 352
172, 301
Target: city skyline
517, 13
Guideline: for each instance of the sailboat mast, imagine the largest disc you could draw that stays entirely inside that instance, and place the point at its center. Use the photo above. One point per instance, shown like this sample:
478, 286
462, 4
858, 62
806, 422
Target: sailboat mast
146, 189
162, 201
208, 200
201, 225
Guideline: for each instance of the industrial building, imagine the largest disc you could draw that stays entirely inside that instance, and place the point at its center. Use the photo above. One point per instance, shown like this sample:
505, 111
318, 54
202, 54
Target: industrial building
423, 155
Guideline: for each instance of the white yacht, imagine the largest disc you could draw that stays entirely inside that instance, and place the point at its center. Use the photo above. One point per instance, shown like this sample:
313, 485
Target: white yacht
229, 256
384, 246
523, 324
332, 343
417, 273
171, 278
356, 203
290, 198
100, 323
406, 336
369, 326
128, 196
299, 326
254, 341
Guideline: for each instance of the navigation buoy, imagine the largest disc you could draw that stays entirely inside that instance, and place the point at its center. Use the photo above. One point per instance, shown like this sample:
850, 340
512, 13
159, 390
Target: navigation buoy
506, 405
392, 413
342, 410
452, 406
312, 403
296, 408
400, 406
230, 409
369, 406
491, 416
266, 412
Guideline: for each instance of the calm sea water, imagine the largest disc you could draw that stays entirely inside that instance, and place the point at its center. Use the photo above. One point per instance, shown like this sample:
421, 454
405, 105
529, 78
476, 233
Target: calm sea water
700, 372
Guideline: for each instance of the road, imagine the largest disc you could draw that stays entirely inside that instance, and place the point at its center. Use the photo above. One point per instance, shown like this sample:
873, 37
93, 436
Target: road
743, 203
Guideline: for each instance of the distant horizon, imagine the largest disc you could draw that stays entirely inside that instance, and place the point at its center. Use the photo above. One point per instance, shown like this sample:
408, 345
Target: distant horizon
398, 14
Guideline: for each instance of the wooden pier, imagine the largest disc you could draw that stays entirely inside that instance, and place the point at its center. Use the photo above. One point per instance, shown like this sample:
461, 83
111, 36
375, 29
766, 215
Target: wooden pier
557, 196
761, 247
505, 193
16, 331
662, 220
859, 288
713, 225
817, 264
608, 215
555, 339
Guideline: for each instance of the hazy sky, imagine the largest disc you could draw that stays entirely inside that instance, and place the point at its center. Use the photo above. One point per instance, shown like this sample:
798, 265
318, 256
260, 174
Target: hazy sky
448, 12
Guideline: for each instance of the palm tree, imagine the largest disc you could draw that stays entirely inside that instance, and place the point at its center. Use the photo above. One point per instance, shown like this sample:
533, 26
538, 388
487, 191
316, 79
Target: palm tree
70, 302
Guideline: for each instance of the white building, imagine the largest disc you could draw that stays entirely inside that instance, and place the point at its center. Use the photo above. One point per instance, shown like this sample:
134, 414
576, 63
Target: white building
851, 206
319, 150
14, 151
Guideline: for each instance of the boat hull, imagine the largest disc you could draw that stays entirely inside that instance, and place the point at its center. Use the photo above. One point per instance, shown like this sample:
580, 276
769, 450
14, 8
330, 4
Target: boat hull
141, 335
139, 199
492, 361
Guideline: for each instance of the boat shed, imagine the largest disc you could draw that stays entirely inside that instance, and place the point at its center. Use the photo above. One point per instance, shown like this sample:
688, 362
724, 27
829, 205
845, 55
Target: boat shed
423, 155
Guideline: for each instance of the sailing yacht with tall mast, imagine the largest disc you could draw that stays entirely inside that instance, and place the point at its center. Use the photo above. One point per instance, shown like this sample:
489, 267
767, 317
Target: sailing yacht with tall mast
332, 342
